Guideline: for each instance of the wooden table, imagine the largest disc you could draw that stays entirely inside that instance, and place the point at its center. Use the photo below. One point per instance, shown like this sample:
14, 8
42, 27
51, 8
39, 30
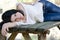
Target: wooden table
39, 28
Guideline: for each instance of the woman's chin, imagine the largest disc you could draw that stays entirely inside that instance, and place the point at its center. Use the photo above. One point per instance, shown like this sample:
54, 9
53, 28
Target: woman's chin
20, 21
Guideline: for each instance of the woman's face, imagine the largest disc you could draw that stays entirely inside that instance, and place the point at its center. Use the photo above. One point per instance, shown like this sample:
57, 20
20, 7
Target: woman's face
17, 17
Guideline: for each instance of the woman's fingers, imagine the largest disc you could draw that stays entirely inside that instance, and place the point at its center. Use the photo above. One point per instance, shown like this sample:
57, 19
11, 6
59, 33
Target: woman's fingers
3, 31
7, 29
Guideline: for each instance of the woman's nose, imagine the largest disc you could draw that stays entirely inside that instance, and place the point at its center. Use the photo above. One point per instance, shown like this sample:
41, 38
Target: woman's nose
17, 16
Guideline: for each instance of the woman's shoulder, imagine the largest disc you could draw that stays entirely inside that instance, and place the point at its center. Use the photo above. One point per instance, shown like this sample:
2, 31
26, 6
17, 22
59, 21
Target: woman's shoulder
39, 3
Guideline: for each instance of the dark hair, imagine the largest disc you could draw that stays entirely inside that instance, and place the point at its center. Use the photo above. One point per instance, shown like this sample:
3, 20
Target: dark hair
1, 24
7, 15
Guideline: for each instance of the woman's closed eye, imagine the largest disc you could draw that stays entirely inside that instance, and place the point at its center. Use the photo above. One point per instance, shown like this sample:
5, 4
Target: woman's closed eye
14, 14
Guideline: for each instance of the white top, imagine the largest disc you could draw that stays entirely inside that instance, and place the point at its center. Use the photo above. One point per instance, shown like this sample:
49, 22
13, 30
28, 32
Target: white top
34, 13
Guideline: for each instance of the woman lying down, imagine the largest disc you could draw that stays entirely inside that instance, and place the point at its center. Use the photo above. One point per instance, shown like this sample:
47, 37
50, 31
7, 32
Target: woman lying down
23, 15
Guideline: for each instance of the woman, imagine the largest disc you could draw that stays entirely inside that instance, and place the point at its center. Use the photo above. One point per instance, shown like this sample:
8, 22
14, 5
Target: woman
26, 14
30, 16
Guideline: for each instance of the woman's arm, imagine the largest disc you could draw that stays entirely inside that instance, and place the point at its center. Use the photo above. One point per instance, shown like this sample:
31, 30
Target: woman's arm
6, 27
19, 6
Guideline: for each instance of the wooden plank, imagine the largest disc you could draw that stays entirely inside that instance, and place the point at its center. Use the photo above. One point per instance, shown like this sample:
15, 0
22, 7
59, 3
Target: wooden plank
13, 35
58, 27
38, 27
2, 37
35, 28
26, 36
41, 36
1, 10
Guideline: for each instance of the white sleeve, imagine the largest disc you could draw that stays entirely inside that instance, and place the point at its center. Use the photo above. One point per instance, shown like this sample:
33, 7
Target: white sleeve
37, 13
21, 23
39, 17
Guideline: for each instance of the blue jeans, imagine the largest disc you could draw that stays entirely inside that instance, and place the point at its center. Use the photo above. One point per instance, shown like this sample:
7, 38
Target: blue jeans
51, 16
51, 11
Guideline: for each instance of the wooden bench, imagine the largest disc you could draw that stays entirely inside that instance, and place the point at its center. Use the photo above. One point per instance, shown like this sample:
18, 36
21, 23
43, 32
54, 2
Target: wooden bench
39, 28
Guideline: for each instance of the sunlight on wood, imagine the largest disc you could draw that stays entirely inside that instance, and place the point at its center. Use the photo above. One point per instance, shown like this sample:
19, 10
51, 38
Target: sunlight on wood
57, 2
25, 0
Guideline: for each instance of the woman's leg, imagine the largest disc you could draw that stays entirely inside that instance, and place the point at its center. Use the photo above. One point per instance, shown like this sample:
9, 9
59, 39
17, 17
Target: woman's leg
52, 17
50, 7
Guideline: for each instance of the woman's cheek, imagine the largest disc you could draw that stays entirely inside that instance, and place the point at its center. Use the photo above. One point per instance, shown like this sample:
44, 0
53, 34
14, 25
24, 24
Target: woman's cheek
18, 20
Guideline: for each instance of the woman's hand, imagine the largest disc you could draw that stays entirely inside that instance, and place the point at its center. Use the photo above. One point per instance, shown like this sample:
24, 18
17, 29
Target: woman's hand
5, 28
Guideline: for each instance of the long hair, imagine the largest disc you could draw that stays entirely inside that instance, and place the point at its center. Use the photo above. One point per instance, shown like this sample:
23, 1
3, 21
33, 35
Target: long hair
6, 16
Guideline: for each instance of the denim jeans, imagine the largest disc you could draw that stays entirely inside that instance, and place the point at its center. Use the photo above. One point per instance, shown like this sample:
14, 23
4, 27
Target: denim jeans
51, 11
51, 16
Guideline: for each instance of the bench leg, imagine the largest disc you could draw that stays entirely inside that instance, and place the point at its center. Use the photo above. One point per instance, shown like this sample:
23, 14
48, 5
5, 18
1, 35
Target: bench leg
13, 35
41, 36
26, 36
58, 27
2, 37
